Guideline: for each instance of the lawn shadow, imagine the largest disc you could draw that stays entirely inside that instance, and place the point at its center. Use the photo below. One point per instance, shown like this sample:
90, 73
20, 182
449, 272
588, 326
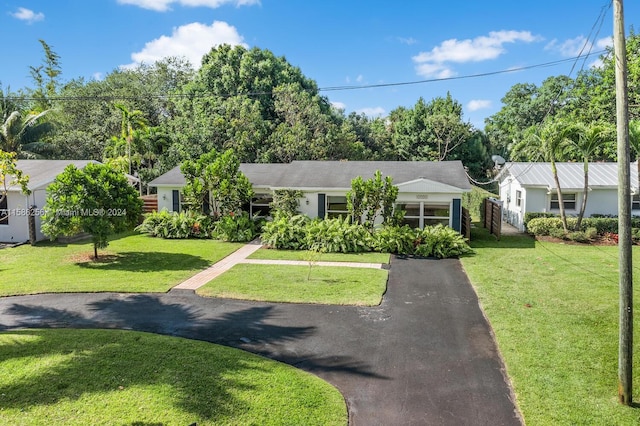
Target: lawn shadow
251, 328
481, 238
210, 400
141, 261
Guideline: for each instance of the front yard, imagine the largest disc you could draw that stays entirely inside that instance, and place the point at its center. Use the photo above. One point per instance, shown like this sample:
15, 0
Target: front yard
131, 263
554, 310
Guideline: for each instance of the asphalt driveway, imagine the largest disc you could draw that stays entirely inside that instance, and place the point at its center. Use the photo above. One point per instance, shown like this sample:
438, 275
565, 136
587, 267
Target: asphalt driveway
425, 356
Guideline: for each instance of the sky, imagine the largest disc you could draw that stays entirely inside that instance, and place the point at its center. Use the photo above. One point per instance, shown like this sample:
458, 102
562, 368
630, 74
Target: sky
381, 54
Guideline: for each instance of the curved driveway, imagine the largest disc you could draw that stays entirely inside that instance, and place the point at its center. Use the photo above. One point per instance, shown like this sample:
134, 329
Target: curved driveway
425, 356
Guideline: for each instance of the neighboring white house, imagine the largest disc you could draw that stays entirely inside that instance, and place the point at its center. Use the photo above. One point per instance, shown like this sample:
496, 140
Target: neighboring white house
429, 192
14, 227
529, 187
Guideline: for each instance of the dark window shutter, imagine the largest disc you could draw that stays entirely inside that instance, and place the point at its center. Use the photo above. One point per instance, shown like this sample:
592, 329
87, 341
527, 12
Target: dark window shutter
322, 206
456, 214
176, 200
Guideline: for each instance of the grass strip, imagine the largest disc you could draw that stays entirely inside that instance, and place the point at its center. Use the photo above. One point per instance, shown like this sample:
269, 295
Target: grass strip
335, 285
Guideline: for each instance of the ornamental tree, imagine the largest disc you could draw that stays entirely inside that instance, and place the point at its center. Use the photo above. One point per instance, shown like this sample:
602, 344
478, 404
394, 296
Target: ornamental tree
97, 200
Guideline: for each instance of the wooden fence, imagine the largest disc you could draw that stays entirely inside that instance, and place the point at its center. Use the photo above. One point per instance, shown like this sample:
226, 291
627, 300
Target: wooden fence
492, 219
465, 229
150, 203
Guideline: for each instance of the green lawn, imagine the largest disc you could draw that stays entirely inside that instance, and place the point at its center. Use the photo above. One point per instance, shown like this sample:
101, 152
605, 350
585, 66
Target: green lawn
554, 310
303, 255
278, 283
131, 263
109, 377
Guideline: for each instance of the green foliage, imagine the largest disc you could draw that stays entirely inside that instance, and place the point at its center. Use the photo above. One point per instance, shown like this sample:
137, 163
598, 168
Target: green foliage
394, 239
542, 226
285, 202
237, 228
372, 198
533, 215
217, 175
440, 242
97, 200
473, 200
338, 235
286, 233
172, 225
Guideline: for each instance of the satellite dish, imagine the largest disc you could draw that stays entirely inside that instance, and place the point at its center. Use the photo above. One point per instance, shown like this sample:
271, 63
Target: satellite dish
498, 160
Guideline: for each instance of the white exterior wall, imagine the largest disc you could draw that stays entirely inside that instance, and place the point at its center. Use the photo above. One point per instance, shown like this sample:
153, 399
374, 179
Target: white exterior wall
165, 197
17, 231
600, 201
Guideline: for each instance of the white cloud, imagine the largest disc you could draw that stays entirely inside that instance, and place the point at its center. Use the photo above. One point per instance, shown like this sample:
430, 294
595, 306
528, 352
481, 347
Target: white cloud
407, 40
191, 41
339, 105
98, 76
164, 5
434, 63
372, 112
478, 104
28, 15
578, 45
360, 78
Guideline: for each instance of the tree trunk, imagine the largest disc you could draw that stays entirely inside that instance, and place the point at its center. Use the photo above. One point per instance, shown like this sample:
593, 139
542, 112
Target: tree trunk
95, 252
563, 216
583, 207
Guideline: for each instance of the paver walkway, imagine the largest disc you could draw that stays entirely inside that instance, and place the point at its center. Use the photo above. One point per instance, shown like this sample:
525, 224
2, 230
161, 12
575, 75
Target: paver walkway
240, 256
425, 356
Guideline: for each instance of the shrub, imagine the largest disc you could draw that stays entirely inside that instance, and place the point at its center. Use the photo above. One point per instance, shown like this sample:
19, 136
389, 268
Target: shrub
175, 225
236, 228
338, 235
544, 225
473, 200
394, 239
440, 242
286, 233
535, 215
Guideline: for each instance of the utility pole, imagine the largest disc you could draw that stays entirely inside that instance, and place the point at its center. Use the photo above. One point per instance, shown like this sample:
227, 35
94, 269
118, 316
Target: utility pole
625, 351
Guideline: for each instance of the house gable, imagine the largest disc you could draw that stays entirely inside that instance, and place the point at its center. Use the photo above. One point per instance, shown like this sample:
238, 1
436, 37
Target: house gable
422, 185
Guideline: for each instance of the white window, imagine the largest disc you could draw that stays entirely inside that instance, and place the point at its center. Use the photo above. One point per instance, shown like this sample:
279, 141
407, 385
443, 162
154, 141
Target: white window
518, 198
336, 206
568, 200
419, 215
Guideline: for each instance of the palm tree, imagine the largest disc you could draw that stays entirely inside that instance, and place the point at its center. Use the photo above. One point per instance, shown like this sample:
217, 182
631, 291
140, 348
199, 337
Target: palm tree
131, 121
21, 134
547, 142
587, 139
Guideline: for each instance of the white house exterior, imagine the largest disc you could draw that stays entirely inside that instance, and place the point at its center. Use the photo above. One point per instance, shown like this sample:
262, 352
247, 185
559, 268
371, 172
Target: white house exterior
529, 187
430, 192
14, 228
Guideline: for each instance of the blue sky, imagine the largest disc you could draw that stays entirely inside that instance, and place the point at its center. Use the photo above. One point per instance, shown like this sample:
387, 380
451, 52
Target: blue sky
337, 43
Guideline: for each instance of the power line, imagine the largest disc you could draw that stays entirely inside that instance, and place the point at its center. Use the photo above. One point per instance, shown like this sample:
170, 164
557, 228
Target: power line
322, 89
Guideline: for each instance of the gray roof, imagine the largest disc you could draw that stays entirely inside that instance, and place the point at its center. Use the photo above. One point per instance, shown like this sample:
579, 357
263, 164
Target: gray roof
338, 174
42, 172
570, 175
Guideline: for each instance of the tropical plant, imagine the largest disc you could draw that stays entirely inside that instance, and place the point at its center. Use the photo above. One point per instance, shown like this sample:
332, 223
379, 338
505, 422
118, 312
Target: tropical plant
22, 133
338, 235
394, 239
236, 228
97, 200
286, 233
587, 139
440, 242
10, 175
286, 202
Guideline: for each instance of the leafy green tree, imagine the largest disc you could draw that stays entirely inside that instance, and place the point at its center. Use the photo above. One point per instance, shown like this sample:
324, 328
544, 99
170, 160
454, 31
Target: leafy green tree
97, 200
10, 175
286, 203
526, 105
215, 184
429, 131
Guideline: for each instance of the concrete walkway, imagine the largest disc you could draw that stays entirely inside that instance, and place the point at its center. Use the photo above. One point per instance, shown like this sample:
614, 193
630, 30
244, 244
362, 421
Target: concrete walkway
240, 256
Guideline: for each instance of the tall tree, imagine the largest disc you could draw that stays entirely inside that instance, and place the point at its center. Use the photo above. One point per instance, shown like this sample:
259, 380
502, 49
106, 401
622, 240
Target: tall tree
548, 142
47, 85
587, 139
22, 133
